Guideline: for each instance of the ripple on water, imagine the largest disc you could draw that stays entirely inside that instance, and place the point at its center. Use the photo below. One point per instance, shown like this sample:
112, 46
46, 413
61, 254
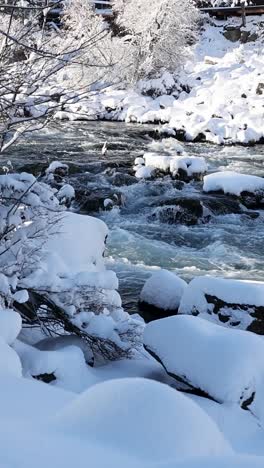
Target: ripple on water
229, 245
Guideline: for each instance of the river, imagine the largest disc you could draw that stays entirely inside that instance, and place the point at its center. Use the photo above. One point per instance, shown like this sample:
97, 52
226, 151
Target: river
230, 245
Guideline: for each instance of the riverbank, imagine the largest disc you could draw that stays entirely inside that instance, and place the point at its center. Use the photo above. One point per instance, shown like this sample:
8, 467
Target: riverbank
217, 97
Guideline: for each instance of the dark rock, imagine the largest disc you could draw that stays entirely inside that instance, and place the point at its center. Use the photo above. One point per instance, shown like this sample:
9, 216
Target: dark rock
244, 96
229, 313
185, 211
119, 179
47, 378
220, 204
253, 201
150, 312
232, 33
246, 36
260, 89
90, 201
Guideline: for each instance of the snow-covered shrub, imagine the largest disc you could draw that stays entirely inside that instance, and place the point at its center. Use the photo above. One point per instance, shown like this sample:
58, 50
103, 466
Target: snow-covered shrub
29, 213
156, 33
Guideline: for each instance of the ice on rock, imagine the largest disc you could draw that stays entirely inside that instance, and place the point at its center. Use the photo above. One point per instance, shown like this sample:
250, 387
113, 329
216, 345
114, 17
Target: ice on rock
163, 290
144, 419
225, 364
232, 183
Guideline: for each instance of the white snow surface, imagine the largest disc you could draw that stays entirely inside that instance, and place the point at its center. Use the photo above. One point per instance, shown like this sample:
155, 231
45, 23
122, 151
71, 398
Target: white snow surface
232, 183
10, 325
226, 364
145, 419
80, 242
163, 290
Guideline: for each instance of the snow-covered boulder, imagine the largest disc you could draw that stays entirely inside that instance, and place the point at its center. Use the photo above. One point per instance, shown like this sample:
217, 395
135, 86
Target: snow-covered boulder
249, 188
184, 168
225, 364
161, 294
144, 419
233, 303
187, 168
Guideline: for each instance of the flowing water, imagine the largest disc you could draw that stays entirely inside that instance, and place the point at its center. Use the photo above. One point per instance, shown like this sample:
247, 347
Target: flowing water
229, 245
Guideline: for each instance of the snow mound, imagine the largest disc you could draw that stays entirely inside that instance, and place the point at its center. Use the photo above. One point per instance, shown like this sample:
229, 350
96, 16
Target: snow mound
232, 183
164, 290
225, 364
142, 418
10, 325
66, 366
9, 361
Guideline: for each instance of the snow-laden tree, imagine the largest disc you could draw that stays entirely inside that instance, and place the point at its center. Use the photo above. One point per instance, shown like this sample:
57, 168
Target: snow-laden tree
155, 33
43, 67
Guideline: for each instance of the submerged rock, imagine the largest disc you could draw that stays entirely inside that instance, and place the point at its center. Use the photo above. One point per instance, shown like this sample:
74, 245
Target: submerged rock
90, 201
186, 211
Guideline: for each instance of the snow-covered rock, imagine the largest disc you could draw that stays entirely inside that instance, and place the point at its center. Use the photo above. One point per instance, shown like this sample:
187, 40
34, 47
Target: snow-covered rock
233, 183
233, 303
161, 294
225, 364
182, 167
144, 419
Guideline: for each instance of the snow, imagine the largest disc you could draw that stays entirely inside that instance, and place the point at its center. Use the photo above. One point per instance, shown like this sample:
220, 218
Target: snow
10, 325
163, 290
226, 364
67, 364
232, 183
143, 172
80, 242
121, 414
9, 361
